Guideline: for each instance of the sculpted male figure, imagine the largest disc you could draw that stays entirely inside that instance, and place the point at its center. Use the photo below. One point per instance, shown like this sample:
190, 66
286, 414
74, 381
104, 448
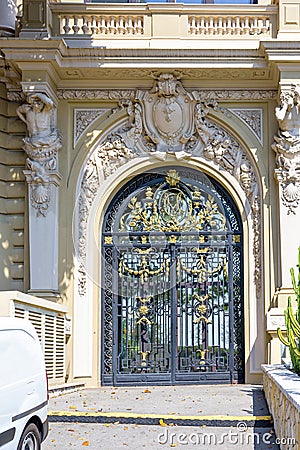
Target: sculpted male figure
287, 147
37, 114
288, 113
41, 146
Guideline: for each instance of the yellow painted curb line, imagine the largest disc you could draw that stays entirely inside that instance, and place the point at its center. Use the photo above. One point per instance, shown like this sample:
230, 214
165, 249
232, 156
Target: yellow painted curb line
156, 416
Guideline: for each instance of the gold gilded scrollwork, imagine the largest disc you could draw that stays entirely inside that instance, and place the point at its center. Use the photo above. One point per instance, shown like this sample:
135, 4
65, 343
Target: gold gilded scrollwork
173, 177
144, 357
203, 268
144, 310
202, 356
172, 207
202, 309
143, 251
172, 239
144, 271
202, 250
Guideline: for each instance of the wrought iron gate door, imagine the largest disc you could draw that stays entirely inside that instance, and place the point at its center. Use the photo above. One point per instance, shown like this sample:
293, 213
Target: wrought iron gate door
172, 283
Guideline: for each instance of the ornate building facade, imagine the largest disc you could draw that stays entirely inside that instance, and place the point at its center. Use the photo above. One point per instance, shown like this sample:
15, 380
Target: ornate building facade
150, 185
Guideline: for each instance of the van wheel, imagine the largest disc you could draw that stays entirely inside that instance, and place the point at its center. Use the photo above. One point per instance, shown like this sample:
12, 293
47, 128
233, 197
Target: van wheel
30, 439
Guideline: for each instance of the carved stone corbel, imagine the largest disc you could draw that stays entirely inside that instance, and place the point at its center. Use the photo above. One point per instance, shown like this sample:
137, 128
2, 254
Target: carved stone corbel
12, 81
287, 147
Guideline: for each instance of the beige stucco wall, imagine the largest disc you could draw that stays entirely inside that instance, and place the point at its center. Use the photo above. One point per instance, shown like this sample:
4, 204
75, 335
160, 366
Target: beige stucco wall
13, 253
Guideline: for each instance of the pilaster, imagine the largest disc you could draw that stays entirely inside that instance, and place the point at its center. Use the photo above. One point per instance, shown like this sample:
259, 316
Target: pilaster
41, 147
43, 238
287, 175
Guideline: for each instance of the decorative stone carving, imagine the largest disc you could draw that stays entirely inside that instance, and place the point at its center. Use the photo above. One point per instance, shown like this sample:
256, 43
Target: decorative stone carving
228, 94
12, 81
83, 118
227, 153
167, 120
275, 319
93, 94
150, 130
166, 113
253, 119
16, 96
287, 147
41, 146
184, 73
202, 95
103, 162
113, 155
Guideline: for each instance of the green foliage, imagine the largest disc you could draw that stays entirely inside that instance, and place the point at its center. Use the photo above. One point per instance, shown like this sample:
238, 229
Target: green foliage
292, 321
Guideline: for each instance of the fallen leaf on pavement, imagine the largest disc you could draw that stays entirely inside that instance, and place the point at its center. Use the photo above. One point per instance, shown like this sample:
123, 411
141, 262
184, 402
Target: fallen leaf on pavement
86, 443
162, 423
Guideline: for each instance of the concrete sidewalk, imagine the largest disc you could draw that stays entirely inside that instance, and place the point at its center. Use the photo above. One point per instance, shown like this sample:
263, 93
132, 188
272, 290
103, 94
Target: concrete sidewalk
158, 417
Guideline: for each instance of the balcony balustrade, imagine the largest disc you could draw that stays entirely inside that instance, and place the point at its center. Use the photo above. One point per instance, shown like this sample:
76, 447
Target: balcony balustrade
143, 21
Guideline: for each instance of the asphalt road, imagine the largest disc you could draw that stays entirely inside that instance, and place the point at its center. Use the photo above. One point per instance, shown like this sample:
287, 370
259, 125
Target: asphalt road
182, 417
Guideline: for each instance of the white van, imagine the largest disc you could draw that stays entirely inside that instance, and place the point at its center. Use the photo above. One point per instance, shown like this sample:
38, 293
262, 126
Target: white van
23, 387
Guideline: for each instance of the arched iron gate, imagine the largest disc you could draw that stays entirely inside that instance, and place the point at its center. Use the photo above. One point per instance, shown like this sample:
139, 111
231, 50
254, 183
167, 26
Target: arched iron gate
172, 282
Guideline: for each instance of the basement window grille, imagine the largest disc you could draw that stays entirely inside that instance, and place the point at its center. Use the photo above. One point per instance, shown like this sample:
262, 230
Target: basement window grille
50, 328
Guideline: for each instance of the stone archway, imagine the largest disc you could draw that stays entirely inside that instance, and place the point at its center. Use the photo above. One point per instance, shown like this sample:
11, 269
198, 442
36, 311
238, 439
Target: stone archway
128, 149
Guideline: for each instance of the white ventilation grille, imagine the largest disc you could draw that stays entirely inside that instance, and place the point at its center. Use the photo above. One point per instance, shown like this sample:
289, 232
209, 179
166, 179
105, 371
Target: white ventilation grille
50, 327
